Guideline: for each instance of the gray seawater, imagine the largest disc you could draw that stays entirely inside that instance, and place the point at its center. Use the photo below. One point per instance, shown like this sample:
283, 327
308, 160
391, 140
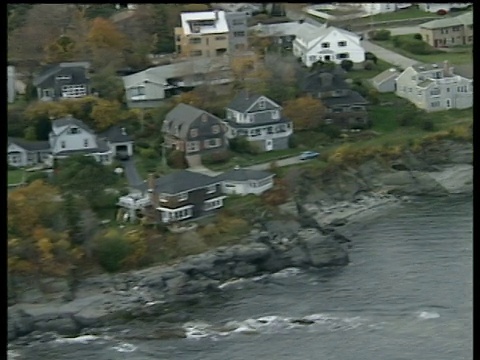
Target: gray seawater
407, 294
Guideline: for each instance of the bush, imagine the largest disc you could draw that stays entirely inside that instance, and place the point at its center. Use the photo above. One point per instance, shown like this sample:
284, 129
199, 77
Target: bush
379, 35
111, 250
292, 142
241, 145
39, 175
428, 125
216, 157
417, 36
370, 56
176, 160
147, 153
142, 144
332, 131
346, 65
373, 96
368, 65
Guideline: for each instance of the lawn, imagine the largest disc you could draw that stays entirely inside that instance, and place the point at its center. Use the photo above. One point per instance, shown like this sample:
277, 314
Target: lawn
362, 74
403, 14
15, 177
460, 56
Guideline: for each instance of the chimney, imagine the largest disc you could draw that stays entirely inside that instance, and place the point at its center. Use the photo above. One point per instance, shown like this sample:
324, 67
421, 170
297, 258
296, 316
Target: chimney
151, 190
446, 68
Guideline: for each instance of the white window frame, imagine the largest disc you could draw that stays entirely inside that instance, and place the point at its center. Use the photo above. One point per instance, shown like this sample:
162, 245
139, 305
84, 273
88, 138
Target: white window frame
208, 145
216, 129
182, 196
343, 56
213, 204
342, 43
74, 91
137, 93
193, 146
211, 189
325, 45
275, 114
63, 144
193, 133
262, 104
63, 77
48, 92
163, 198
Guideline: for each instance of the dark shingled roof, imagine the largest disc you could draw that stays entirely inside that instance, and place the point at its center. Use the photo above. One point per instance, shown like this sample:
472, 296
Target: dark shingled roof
324, 81
76, 69
116, 134
29, 145
352, 99
180, 181
243, 175
243, 101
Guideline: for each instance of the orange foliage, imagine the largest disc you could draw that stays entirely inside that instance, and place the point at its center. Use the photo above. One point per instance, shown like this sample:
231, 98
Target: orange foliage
306, 112
278, 194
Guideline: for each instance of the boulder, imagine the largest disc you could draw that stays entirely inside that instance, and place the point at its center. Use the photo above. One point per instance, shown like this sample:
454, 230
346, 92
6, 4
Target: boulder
63, 325
244, 270
322, 250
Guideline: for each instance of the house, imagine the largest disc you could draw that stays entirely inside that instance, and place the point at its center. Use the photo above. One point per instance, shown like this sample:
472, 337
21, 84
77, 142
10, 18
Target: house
67, 80
194, 131
434, 7
180, 196
71, 136
202, 34
258, 119
283, 34
328, 43
237, 31
248, 8
22, 153
381, 8
450, 31
386, 81
345, 107
433, 87
119, 142
150, 88
244, 181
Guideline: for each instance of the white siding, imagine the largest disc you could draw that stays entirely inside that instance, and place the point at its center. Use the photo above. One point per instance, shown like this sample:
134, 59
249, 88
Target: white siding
74, 141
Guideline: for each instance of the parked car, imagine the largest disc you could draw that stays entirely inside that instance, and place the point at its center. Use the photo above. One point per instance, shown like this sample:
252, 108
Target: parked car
122, 156
306, 155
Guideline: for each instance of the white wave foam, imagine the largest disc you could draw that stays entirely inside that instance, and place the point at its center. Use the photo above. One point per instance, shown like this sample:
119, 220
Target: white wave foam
291, 271
83, 339
231, 282
12, 355
125, 347
425, 315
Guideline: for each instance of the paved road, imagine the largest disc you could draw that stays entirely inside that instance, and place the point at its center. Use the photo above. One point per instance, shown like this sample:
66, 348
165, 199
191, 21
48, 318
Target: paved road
131, 172
387, 55
404, 30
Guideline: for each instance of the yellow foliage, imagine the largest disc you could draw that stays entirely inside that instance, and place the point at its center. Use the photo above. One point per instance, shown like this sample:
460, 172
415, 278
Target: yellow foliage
50, 109
106, 113
104, 34
137, 240
306, 112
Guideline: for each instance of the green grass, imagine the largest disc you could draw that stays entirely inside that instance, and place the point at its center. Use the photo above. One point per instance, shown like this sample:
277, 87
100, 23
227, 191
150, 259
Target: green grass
15, 177
410, 13
462, 55
362, 74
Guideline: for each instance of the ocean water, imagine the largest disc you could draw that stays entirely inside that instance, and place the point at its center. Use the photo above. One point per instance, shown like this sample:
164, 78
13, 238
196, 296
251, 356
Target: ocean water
407, 294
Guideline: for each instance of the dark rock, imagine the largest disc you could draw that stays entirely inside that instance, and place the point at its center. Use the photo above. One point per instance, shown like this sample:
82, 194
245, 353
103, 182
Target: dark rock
338, 222
296, 256
65, 325
244, 270
302, 321
322, 250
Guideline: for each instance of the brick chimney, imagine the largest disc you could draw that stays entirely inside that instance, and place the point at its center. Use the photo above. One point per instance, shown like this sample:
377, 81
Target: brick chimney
151, 190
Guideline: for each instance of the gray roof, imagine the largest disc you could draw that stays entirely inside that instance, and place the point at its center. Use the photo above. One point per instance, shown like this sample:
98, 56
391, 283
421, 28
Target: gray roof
51, 70
385, 75
29, 145
425, 83
116, 134
284, 29
182, 116
180, 181
69, 120
464, 19
353, 98
244, 175
314, 82
235, 125
427, 67
243, 100
465, 70
101, 148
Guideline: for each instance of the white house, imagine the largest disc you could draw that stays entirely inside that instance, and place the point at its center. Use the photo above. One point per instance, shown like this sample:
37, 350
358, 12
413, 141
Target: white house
244, 181
380, 8
434, 7
432, 87
328, 43
22, 153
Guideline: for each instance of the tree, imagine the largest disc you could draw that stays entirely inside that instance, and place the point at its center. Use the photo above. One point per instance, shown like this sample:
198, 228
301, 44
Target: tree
306, 112
106, 43
62, 49
195, 7
111, 249
346, 65
106, 113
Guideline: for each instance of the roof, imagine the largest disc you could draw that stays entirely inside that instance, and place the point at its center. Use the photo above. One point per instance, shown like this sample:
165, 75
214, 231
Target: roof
181, 117
464, 19
180, 181
312, 37
386, 75
292, 28
160, 74
243, 100
352, 98
244, 175
425, 83
51, 70
465, 71
68, 121
116, 134
315, 82
220, 23
427, 67
29, 145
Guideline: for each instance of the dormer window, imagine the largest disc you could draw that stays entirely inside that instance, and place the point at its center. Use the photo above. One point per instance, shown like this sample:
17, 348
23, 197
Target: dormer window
261, 104
211, 189
204, 118
63, 77
194, 133
215, 129
74, 130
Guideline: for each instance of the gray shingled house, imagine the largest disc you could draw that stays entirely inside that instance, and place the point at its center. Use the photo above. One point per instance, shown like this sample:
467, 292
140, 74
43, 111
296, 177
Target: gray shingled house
386, 81
120, 143
258, 119
194, 131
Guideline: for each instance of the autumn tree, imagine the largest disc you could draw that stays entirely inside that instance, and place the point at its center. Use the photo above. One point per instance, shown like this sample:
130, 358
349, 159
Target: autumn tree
107, 84
106, 113
250, 73
62, 49
278, 194
306, 112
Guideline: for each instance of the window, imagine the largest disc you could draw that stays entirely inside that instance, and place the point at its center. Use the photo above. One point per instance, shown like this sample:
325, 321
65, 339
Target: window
275, 114
211, 189
212, 143
63, 145
182, 214
343, 56
435, 104
251, 118
270, 130
435, 92
74, 131
448, 89
195, 40
215, 129
178, 38
419, 92
137, 91
63, 77
219, 38
342, 43
238, 22
196, 53
163, 198
193, 133
325, 45
47, 93
193, 146
182, 196
238, 33
213, 204
85, 142
261, 104
74, 91
253, 184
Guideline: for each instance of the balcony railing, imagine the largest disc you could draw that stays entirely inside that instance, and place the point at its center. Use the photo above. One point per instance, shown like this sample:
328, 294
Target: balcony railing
134, 202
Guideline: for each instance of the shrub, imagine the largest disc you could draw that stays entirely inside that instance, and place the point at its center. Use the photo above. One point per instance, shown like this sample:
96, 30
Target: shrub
292, 142
373, 96
417, 36
142, 144
379, 35
39, 175
346, 65
242, 146
332, 131
111, 249
428, 125
147, 153
368, 65
216, 157
371, 56
176, 160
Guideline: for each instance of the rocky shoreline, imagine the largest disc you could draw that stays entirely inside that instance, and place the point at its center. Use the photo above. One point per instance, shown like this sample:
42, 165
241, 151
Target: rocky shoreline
311, 239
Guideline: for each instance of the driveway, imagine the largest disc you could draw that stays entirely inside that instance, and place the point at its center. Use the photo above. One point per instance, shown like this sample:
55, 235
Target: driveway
280, 163
387, 55
131, 172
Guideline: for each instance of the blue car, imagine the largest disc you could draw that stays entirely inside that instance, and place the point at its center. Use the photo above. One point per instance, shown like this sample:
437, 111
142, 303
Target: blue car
308, 155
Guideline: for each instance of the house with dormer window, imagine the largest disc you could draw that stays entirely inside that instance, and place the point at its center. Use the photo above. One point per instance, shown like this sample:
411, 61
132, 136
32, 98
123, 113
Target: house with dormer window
258, 119
433, 87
